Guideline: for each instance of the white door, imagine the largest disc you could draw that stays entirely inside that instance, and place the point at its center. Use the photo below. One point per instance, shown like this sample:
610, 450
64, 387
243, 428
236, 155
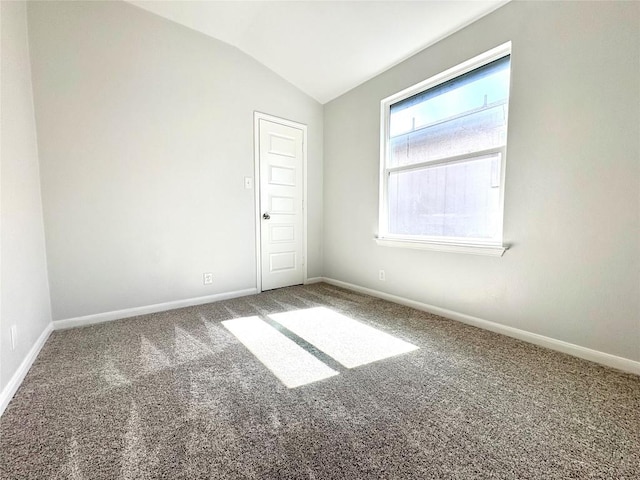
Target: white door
281, 160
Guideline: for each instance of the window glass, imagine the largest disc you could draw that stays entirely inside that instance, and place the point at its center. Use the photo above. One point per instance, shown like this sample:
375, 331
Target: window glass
460, 199
444, 156
466, 114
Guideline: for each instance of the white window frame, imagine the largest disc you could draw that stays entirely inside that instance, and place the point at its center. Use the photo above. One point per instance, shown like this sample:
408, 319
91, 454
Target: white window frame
493, 247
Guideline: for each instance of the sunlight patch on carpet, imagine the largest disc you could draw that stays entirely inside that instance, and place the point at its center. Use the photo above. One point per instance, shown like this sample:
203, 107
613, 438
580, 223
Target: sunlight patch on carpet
152, 359
137, 461
289, 362
112, 375
71, 469
348, 341
188, 348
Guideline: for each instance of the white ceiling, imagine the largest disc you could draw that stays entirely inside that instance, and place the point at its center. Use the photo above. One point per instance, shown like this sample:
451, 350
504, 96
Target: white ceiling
325, 48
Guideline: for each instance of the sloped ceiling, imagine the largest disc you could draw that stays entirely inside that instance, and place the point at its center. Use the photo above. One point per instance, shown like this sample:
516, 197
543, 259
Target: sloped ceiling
325, 48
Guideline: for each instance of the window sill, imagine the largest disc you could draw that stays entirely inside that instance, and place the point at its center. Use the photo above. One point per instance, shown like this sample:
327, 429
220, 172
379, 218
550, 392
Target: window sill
468, 248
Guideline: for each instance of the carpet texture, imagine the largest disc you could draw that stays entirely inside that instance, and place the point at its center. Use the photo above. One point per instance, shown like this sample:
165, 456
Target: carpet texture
176, 395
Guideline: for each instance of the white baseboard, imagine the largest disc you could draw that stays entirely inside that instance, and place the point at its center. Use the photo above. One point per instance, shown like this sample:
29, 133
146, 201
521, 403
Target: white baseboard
158, 307
607, 359
16, 380
602, 358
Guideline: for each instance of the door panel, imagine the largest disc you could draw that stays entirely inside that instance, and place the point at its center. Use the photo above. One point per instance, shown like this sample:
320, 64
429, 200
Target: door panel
281, 158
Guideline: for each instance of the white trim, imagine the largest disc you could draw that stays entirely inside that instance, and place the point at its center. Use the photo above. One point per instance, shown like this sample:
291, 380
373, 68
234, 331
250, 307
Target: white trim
256, 193
385, 105
312, 280
596, 356
257, 116
158, 307
16, 380
473, 249
453, 72
305, 203
500, 152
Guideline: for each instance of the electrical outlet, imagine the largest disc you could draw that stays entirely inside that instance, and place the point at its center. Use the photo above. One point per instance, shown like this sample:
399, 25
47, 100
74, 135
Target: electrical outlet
381, 275
207, 278
14, 336
248, 183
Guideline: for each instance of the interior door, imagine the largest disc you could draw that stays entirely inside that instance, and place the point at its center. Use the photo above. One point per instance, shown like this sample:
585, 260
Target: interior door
281, 161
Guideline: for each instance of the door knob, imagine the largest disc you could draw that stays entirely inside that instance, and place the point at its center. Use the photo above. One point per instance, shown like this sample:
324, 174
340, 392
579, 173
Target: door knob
266, 216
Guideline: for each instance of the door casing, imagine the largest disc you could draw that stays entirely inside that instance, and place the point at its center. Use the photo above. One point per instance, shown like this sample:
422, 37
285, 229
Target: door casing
257, 116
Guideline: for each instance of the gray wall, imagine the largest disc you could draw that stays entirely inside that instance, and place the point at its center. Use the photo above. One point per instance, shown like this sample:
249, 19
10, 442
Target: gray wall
145, 135
24, 296
572, 179
145, 131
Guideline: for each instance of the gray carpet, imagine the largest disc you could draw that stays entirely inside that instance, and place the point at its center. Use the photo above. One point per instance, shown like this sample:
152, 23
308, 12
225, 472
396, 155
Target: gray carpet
176, 395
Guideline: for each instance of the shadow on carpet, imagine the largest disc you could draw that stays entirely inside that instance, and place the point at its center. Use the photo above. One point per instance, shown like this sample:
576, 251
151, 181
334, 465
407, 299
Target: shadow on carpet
314, 382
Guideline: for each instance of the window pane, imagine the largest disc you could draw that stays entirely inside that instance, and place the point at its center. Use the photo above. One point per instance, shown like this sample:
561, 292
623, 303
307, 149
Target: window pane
463, 115
460, 199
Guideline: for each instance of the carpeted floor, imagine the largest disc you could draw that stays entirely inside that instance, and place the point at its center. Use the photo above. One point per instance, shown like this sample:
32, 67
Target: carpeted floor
176, 395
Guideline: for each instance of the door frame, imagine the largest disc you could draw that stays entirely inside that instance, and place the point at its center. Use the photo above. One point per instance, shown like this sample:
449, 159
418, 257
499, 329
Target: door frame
257, 116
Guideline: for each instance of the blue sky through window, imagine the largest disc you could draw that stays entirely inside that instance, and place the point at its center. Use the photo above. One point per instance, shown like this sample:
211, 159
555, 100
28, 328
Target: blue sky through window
469, 95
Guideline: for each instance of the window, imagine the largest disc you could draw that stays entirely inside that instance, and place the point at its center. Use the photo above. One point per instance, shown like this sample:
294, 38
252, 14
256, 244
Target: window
443, 156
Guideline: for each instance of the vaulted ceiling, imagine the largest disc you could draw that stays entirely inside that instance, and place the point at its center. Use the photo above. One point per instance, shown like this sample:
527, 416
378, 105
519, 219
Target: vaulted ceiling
325, 48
